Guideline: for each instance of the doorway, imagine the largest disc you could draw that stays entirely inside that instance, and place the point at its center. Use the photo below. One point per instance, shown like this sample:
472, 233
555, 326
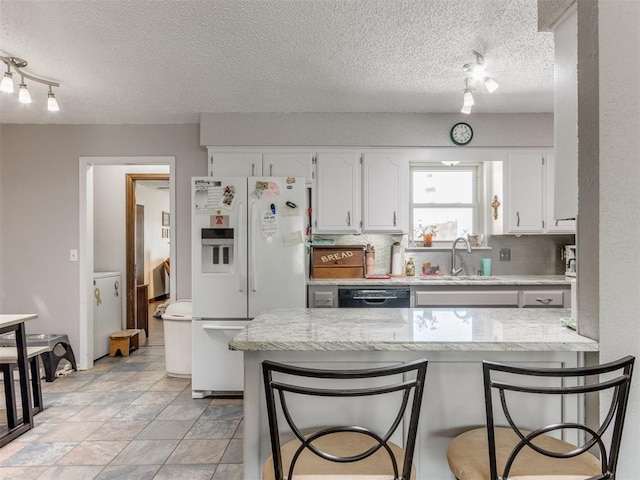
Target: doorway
88, 166
137, 273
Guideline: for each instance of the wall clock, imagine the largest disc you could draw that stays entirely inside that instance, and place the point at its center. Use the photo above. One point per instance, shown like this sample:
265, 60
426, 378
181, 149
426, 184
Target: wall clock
461, 133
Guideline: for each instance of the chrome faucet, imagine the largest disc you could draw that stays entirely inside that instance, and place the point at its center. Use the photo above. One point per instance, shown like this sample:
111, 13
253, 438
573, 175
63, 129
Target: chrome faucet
455, 271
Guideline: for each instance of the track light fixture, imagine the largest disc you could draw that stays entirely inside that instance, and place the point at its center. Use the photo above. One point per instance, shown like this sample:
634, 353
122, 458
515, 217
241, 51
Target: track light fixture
476, 73
23, 94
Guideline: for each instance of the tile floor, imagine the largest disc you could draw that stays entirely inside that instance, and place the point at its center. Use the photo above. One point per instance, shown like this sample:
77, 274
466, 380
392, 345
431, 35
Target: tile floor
126, 419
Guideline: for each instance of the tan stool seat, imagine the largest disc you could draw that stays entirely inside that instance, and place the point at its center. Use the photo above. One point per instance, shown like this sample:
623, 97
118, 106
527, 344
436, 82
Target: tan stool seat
468, 458
10, 354
8, 361
124, 340
310, 467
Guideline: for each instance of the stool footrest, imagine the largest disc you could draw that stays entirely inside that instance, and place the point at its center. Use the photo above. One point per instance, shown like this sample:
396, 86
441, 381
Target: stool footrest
125, 341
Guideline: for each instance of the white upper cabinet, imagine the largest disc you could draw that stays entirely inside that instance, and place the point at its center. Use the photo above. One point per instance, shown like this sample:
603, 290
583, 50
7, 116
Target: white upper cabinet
239, 163
385, 192
524, 209
235, 163
565, 115
555, 224
337, 193
528, 204
288, 164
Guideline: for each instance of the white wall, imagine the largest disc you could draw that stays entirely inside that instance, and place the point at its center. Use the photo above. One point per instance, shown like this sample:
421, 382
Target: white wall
39, 198
619, 178
372, 129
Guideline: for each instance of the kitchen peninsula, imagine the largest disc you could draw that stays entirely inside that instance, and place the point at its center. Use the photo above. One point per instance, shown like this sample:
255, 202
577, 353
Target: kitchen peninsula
454, 340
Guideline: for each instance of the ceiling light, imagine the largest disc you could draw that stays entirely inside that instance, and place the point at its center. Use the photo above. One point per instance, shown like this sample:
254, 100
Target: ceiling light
52, 103
490, 84
7, 81
468, 97
23, 94
476, 72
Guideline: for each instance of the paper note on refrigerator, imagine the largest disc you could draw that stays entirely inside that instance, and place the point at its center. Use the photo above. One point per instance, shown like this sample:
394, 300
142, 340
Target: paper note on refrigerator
269, 225
293, 238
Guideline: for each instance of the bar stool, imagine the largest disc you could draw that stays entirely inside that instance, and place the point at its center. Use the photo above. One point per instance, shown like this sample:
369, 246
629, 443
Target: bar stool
354, 450
536, 453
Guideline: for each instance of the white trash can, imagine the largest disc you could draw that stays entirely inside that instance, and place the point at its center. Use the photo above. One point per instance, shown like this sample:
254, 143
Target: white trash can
177, 338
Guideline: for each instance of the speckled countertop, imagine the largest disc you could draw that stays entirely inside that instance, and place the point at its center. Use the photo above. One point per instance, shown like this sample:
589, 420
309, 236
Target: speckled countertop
447, 280
411, 329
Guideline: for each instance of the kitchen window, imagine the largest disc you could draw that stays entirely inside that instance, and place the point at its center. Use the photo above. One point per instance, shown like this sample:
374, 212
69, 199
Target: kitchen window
444, 202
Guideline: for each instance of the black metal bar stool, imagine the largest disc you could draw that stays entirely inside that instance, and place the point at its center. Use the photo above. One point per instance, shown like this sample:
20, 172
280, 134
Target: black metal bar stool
518, 450
339, 449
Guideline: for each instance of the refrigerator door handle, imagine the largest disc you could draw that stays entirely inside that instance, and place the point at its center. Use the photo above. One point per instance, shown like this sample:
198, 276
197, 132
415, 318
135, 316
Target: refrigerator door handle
252, 248
221, 327
241, 224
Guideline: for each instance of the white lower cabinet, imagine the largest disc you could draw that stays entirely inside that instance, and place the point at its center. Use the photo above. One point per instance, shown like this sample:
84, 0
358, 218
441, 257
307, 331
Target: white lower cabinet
467, 298
509, 296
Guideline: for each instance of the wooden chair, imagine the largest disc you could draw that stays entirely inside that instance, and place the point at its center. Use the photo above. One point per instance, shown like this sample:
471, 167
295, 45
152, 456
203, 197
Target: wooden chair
342, 451
536, 453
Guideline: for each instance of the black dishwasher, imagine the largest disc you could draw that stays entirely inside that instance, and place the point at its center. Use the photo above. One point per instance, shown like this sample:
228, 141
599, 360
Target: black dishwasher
373, 298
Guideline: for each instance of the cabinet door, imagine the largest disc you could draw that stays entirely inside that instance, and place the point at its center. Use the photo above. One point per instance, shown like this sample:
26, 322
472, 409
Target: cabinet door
525, 205
235, 164
555, 224
288, 164
385, 188
337, 193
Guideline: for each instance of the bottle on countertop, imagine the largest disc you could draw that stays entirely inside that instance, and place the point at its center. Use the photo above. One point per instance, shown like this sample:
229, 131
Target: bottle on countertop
370, 259
411, 268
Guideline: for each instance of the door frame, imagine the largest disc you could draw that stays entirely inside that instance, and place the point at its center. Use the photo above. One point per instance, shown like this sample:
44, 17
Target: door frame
85, 243
130, 219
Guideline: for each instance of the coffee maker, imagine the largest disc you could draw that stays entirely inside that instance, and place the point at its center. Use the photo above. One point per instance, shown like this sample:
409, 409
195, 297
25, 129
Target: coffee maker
570, 260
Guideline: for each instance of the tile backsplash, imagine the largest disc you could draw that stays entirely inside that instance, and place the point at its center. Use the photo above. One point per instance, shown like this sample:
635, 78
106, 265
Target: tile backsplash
530, 254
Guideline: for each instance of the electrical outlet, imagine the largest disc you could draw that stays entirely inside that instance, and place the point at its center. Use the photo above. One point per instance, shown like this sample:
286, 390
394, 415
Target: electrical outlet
505, 254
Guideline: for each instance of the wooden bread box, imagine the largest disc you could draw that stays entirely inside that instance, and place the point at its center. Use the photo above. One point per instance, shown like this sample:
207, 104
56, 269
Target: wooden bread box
337, 261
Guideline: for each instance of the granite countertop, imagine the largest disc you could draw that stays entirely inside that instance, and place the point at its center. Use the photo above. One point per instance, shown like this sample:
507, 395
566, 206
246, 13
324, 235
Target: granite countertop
411, 329
419, 280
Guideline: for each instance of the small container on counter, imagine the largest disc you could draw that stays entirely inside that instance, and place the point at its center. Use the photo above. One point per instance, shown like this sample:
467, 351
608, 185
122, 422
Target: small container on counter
411, 268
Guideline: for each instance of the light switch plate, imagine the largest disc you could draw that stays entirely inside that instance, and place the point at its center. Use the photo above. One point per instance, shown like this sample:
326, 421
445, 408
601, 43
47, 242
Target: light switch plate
505, 254
73, 255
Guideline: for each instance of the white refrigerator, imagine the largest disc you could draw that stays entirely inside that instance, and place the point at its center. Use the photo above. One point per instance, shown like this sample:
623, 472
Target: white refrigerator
248, 255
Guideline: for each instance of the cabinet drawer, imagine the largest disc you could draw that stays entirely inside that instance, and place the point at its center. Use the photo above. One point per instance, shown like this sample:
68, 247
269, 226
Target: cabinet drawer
543, 298
498, 298
322, 299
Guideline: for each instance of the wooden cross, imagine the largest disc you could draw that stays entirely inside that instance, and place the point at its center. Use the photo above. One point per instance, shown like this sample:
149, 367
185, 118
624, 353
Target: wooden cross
495, 204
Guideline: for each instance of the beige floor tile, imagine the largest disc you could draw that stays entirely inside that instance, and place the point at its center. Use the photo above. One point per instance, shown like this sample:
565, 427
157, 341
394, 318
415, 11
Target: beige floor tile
93, 453
146, 452
71, 473
118, 430
229, 472
198, 451
70, 432
96, 413
21, 473
10, 449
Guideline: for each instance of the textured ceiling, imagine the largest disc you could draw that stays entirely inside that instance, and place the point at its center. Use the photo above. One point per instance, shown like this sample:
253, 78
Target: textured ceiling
158, 61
